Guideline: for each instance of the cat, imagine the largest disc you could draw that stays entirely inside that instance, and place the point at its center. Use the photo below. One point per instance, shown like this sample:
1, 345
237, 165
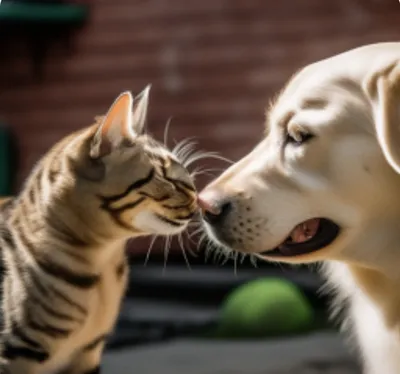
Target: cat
63, 236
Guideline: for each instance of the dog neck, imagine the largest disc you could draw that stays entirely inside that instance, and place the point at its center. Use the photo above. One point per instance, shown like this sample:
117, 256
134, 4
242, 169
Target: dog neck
381, 290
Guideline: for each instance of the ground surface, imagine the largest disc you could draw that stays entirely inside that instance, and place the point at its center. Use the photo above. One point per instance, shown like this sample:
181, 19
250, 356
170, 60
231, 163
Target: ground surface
312, 354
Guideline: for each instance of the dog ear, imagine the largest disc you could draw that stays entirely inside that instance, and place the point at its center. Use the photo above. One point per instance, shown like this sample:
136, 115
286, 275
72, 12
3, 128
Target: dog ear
383, 89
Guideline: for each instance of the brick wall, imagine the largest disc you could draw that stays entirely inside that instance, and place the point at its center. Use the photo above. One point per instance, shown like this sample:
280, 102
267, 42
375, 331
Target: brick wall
213, 64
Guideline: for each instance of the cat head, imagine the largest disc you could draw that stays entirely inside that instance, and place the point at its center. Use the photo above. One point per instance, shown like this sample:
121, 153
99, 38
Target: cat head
138, 185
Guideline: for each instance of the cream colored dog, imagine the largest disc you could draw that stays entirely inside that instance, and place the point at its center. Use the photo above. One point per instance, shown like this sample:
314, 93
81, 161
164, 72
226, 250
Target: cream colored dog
324, 185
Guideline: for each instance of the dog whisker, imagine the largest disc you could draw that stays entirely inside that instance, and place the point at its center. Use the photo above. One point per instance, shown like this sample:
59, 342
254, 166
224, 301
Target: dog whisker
235, 263
253, 260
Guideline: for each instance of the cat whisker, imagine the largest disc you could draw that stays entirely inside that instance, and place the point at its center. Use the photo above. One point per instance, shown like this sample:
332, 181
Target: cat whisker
182, 146
200, 155
166, 131
153, 240
195, 232
201, 240
181, 244
166, 252
198, 171
191, 241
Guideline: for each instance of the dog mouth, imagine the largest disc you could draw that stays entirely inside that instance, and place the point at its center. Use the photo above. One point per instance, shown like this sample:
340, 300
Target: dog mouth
307, 237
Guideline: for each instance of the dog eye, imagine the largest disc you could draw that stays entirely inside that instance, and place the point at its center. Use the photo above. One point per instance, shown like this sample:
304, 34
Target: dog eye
299, 138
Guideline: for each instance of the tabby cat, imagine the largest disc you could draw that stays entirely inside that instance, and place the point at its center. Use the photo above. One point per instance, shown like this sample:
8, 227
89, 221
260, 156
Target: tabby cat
63, 237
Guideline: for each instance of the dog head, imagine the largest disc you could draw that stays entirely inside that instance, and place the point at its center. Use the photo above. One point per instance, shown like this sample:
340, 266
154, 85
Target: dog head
323, 183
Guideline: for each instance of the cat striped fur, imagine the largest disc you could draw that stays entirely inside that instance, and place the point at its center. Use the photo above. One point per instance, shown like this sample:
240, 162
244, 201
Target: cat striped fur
63, 237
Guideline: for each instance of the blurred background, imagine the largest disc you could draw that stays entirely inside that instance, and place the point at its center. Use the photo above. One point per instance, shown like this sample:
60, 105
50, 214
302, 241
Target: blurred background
214, 65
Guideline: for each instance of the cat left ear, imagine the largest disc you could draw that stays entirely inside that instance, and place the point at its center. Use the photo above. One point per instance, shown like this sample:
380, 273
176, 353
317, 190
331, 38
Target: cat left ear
114, 128
139, 111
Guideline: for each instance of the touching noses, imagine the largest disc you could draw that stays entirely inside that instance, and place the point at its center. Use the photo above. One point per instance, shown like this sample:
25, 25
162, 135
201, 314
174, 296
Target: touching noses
213, 208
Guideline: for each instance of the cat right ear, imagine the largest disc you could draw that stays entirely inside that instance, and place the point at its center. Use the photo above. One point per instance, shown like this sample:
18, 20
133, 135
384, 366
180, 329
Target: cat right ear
114, 128
139, 111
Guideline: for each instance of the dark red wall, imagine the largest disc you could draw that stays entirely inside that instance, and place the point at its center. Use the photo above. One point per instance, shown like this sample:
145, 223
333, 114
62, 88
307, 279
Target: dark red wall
214, 64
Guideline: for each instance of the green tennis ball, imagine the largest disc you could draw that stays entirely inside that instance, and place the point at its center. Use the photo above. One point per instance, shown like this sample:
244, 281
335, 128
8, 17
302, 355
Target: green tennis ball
265, 307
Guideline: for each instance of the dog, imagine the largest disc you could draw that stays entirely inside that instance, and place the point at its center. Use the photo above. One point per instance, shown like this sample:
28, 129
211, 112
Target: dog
323, 185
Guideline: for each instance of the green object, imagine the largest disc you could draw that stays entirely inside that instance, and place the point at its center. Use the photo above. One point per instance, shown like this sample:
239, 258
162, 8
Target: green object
265, 307
41, 13
6, 162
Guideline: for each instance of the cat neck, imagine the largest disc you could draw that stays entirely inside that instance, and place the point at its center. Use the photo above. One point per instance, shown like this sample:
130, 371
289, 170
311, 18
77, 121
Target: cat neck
59, 232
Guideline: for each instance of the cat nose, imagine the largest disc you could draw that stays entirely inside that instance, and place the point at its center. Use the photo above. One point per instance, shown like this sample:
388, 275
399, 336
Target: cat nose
213, 210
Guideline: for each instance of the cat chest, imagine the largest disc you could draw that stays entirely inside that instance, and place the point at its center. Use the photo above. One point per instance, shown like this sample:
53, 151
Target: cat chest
103, 305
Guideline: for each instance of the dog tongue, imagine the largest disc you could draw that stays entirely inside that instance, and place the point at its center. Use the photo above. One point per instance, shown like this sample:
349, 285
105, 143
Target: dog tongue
304, 231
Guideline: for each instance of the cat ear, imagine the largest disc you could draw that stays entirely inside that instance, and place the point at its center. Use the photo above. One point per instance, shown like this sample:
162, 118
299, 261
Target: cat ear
114, 128
139, 111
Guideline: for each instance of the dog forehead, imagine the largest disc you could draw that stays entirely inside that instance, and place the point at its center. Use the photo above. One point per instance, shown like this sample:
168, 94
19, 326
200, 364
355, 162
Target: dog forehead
317, 84
351, 65
309, 87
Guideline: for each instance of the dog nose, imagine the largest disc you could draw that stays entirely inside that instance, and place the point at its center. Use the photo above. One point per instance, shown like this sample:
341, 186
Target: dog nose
212, 210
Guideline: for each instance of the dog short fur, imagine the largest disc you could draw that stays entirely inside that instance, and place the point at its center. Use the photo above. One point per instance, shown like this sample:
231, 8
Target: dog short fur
347, 172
